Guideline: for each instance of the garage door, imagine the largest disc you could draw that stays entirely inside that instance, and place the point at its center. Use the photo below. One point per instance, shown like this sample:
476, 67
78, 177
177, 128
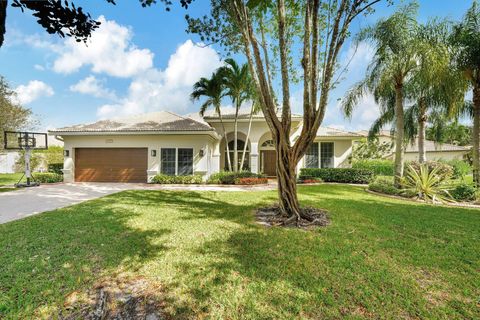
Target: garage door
111, 164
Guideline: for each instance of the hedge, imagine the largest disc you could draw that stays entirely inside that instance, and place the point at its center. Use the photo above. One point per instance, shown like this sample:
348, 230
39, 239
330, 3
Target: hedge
385, 185
380, 167
343, 175
228, 177
167, 179
47, 177
55, 168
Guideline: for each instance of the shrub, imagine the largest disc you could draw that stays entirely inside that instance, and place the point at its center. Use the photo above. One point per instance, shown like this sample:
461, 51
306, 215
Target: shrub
311, 180
55, 168
251, 181
445, 171
384, 185
167, 179
463, 192
426, 183
380, 167
344, 175
228, 177
460, 168
47, 177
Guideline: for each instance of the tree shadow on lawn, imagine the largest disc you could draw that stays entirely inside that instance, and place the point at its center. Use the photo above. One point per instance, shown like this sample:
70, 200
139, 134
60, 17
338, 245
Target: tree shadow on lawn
375, 260
47, 256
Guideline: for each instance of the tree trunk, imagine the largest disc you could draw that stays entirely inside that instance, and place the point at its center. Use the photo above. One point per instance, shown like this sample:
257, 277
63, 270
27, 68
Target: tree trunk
226, 142
287, 180
399, 134
235, 142
3, 17
422, 120
476, 133
248, 136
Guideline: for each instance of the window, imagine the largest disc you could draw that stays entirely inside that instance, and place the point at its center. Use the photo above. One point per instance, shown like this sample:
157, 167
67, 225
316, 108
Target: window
326, 154
168, 161
185, 162
268, 144
311, 156
240, 146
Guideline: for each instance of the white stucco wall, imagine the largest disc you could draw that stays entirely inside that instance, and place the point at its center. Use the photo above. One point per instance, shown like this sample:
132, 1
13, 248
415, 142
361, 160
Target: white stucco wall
201, 165
7, 161
437, 155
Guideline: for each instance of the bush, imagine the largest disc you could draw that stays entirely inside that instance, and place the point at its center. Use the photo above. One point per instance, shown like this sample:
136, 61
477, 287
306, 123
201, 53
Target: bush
463, 192
385, 185
47, 177
311, 180
229, 177
428, 184
344, 175
445, 171
380, 167
251, 181
55, 168
460, 168
167, 179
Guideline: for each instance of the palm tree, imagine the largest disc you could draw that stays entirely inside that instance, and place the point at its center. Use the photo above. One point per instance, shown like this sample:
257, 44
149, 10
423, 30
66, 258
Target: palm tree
237, 81
394, 60
213, 90
466, 39
254, 109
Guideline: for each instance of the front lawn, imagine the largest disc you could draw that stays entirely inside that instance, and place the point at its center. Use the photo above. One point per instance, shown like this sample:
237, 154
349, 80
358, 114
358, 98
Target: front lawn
9, 178
379, 258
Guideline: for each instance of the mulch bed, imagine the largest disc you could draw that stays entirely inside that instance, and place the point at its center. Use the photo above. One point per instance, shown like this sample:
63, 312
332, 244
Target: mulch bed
272, 216
116, 298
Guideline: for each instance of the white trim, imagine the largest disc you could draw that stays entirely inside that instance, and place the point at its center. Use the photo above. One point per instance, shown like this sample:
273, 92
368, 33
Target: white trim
212, 133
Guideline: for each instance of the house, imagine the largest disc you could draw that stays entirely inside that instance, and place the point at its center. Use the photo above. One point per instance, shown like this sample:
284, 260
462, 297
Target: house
434, 150
136, 148
8, 160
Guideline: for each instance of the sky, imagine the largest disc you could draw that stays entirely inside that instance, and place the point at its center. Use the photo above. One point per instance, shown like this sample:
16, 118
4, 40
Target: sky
142, 60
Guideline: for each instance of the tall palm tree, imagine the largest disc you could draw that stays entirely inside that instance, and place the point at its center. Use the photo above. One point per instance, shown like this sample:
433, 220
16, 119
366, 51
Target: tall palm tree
466, 39
254, 109
393, 62
213, 90
237, 81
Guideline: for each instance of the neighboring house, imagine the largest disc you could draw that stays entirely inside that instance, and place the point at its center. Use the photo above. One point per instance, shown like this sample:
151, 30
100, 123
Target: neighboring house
136, 148
435, 151
7, 161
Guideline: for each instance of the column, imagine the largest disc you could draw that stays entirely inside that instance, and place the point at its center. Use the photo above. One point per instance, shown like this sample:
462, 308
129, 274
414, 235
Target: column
254, 157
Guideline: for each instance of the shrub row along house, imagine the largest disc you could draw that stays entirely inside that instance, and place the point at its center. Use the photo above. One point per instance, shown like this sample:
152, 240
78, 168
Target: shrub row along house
136, 148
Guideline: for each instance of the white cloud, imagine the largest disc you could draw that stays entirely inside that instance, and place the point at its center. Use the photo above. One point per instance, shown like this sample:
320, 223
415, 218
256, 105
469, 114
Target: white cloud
155, 90
109, 51
358, 56
39, 67
32, 91
92, 86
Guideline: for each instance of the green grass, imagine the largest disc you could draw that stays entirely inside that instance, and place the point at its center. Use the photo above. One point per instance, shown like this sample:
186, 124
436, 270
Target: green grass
9, 178
379, 258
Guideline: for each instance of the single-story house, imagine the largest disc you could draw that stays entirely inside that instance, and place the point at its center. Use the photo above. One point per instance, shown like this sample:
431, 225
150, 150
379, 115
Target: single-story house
136, 148
8, 160
434, 150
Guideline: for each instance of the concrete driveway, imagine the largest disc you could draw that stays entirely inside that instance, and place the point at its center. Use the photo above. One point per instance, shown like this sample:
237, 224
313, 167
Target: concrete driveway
26, 202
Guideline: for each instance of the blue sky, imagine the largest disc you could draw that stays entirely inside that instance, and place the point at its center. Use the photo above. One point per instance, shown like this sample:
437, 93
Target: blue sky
141, 60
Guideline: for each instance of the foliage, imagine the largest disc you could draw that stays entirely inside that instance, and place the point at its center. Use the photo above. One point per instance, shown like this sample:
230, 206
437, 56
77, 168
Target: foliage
444, 170
426, 182
378, 166
54, 154
371, 149
229, 177
251, 181
451, 133
460, 168
310, 180
385, 185
55, 168
463, 192
343, 175
13, 117
47, 177
168, 179
36, 160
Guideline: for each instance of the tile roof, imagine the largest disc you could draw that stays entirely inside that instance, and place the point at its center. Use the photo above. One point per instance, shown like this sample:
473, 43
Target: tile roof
162, 121
333, 132
432, 146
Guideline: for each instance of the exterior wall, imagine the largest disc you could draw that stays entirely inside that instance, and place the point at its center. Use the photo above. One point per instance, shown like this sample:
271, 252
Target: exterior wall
201, 165
437, 155
7, 161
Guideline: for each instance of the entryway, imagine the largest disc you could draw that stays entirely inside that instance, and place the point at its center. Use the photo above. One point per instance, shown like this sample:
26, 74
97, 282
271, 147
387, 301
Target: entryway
268, 162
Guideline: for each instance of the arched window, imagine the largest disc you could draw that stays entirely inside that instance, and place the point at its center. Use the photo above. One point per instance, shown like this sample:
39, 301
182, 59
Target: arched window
268, 144
240, 146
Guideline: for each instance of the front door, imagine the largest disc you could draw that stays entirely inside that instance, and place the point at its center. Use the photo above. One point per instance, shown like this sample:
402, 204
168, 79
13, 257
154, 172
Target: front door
269, 163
